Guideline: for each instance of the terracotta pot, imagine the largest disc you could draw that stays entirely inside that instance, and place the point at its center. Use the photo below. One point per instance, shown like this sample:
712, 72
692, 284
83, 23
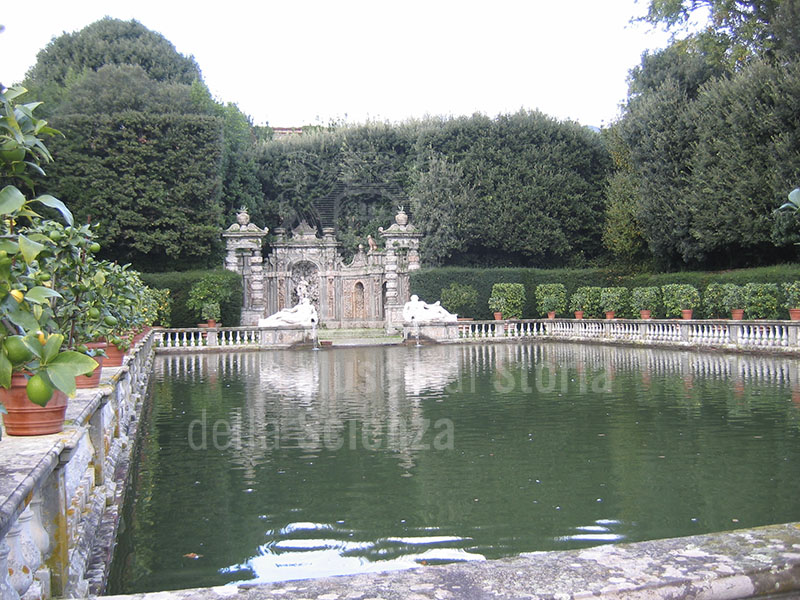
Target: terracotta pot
93, 379
26, 418
609, 314
578, 314
498, 316
737, 314
794, 314
645, 314
551, 314
212, 323
114, 356
686, 314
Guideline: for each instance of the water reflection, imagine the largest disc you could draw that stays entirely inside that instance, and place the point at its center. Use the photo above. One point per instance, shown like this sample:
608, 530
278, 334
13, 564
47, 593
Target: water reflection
283, 465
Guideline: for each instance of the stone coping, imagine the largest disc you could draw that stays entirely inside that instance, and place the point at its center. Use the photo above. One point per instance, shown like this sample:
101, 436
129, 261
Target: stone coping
26, 461
735, 564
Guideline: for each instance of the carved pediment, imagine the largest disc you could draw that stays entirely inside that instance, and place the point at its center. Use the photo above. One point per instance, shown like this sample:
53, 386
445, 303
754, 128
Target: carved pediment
304, 232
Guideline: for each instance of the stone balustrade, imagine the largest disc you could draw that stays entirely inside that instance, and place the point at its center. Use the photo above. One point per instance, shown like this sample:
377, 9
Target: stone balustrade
60, 494
238, 338
723, 334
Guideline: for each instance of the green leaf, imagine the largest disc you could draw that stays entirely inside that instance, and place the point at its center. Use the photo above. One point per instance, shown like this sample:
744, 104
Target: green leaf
80, 364
21, 318
11, 200
33, 345
30, 249
52, 347
53, 202
62, 377
99, 278
5, 371
9, 246
40, 294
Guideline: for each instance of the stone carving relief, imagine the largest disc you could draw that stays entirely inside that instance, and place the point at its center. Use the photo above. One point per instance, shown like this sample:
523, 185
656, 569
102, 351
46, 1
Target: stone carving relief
305, 282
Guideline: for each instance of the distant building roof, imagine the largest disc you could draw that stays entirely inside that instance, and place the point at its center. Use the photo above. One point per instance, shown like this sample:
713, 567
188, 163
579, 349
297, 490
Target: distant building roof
280, 132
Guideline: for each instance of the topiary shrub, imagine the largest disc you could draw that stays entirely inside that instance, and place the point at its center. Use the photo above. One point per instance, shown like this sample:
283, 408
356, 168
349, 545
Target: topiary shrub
645, 298
508, 298
587, 299
761, 300
614, 299
792, 292
551, 297
678, 297
459, 298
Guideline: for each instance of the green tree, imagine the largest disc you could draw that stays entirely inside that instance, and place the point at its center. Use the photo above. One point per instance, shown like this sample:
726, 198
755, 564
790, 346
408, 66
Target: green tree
744, 28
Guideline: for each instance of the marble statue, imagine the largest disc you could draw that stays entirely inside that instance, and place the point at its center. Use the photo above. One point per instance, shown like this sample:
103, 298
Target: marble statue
373, 245
422, 312
302, 315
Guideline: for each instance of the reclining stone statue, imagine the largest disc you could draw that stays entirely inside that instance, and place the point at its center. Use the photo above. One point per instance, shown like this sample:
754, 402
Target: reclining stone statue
422, 312
301, 315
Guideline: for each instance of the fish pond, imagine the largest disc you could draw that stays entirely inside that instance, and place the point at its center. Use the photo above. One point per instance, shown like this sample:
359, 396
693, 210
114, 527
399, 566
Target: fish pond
259, 467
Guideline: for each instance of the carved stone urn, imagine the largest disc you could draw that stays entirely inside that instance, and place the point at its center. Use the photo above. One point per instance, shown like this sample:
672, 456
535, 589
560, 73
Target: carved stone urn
401, 218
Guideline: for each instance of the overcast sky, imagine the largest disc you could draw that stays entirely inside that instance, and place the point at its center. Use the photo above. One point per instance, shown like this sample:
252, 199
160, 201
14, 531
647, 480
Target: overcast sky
298, 62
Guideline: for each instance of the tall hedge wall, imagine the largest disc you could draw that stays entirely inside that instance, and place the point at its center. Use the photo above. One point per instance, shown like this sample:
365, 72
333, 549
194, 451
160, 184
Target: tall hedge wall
152, 183
428, 283
179, 284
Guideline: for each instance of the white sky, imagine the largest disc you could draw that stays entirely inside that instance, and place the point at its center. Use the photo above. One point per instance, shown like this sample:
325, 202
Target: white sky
298, 62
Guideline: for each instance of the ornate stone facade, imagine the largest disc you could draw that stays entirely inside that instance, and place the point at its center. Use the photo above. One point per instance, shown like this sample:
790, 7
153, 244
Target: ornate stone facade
370, 291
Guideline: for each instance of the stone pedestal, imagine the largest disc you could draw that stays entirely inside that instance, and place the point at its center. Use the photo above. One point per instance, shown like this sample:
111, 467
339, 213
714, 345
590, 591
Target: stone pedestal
243, 242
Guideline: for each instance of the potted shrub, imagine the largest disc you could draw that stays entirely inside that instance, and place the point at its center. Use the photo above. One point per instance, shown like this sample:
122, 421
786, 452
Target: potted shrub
585, 301
733, 300
792, 291
713, 304
679, 299
645, 300
761, 300
210, 313
210, 289
36, 371
459, 298
551, 298
614, 300
508, 299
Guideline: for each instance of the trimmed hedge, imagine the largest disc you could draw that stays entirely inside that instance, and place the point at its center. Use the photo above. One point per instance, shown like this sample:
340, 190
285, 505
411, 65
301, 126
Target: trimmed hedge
179, 284
428, 283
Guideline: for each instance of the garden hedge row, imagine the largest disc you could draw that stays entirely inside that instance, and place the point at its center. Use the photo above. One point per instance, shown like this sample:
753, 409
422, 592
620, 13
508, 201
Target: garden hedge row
428, 283
179, 284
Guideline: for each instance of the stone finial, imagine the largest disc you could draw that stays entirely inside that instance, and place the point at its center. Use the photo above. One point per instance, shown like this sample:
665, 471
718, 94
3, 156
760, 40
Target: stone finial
243, 217
401, 218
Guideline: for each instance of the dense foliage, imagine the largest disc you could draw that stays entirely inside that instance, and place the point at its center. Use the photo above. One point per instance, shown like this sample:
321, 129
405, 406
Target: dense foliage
708, 144
147, 150
428, 285
180, 284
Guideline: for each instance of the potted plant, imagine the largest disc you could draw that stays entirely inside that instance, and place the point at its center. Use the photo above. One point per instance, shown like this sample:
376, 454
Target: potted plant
507, 299
614, 300
210, 313
761, 300
792, 291
713, 305
459, 298
585, 301
733, 300
645, 300
497, 305
551, 299
36, 371
210, 289
679, 300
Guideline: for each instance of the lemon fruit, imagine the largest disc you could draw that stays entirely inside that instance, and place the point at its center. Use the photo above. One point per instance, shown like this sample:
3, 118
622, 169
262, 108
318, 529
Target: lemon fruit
39, 391
16, 350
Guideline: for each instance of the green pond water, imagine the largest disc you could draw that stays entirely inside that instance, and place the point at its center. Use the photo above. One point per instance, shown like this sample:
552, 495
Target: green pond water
258, 467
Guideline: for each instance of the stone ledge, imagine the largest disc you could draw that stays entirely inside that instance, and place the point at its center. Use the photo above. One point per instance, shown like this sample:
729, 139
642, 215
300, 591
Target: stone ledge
737, 564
